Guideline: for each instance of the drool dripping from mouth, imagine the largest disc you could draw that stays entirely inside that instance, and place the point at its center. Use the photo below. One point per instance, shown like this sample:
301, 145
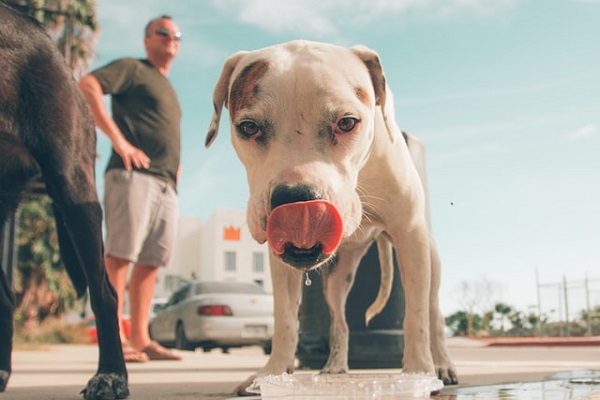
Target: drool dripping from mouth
307, 280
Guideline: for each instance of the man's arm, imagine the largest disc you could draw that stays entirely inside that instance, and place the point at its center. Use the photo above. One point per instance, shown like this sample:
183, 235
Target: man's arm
93, 94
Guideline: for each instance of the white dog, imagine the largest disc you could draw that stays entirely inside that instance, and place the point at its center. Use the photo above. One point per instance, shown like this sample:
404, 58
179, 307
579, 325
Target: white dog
329, 171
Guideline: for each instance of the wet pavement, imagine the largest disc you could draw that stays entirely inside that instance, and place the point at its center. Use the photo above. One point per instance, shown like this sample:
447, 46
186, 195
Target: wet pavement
508, 372
574, 385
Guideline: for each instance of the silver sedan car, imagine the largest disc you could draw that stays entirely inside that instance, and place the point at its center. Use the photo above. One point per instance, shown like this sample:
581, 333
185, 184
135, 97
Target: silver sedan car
214, 315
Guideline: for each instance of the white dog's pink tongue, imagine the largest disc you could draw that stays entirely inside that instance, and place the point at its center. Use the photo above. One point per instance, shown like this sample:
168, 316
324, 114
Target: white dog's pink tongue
304, 225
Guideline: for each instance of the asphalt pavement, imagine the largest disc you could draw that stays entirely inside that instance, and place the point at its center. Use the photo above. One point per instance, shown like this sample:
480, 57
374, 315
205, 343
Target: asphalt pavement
550, 372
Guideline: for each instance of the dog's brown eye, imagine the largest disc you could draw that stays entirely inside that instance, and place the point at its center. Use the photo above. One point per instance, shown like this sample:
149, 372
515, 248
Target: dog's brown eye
248, 129
346, 124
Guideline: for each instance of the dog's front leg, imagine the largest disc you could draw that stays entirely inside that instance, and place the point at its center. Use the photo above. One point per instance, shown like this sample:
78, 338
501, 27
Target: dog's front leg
286, 298
415, 268
445, 369
337, 284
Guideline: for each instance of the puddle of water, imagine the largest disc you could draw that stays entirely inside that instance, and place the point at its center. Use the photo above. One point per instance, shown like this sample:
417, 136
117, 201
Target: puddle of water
573, 385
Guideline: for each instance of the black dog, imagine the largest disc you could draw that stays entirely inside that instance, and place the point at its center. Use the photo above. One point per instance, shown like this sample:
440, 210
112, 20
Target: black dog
46, 127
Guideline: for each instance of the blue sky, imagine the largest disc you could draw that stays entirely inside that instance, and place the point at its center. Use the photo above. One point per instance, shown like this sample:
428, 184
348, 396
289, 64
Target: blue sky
505, 95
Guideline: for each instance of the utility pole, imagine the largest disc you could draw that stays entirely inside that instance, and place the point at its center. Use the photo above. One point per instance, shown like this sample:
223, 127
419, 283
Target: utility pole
563, 303
561, 331
588, 331
566, 305
539, 302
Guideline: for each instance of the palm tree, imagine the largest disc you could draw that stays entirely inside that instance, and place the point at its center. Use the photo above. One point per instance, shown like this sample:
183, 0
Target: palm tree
504, 310
463, 323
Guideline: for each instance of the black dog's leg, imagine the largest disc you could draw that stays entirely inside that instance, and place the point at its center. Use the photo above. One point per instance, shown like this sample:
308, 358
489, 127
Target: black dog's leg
45, 117
7, 302
81, 227
16, 168
67, 166
68, 171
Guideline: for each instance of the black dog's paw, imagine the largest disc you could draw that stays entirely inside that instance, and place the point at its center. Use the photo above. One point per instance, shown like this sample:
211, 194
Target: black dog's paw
106, 387
4, 375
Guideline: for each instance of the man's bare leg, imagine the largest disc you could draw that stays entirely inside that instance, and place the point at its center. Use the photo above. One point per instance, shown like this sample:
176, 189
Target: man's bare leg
141, 292
117, 269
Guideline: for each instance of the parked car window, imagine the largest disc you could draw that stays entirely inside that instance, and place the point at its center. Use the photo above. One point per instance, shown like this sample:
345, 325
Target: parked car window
186, 292
178, 295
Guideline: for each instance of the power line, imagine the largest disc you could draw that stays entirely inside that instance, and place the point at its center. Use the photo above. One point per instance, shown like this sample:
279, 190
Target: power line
563, 288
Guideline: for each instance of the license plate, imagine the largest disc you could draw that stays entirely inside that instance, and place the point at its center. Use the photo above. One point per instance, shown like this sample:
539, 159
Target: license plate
254, 331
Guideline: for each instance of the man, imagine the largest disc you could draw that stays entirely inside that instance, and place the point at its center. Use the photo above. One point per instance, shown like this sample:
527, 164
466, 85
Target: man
140, 199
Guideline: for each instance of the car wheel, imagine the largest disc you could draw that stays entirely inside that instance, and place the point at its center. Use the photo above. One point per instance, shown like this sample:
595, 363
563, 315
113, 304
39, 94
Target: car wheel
181, 341
267, 347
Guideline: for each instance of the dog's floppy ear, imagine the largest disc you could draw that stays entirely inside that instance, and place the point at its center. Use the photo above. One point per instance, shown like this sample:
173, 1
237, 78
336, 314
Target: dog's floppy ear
220, 95
383, 96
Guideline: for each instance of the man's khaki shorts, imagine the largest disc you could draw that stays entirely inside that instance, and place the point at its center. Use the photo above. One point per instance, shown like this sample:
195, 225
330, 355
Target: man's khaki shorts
141, 217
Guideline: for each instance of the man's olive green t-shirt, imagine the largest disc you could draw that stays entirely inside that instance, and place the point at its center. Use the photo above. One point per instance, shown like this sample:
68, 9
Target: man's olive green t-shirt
146, 109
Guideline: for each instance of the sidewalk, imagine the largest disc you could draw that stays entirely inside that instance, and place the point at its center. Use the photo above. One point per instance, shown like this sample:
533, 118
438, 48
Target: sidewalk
541, 341
60, 372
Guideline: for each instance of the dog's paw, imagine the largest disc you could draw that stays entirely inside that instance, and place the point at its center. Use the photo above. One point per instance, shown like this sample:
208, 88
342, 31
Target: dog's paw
242, 388
333, 370
4, 375
270, 369
106, 387
447, 375
335, 365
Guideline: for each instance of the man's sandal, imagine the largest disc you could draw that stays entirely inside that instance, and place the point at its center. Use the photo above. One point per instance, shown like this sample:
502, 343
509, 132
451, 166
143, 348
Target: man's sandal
155, 351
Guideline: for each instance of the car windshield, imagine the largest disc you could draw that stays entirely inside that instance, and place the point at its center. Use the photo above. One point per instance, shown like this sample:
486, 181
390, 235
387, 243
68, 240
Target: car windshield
227, 287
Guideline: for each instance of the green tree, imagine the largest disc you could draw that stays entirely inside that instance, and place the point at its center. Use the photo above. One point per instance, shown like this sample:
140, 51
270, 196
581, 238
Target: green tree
42, 286
503, 310
591, 320
71, 24
517, 323
463, 323
486, 321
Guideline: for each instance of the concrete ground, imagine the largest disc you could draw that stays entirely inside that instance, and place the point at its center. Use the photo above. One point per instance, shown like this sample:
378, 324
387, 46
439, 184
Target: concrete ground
486, 372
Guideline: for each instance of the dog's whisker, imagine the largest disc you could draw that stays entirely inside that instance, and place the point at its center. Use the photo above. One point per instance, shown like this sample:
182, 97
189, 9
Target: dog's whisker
366, 195
368, 204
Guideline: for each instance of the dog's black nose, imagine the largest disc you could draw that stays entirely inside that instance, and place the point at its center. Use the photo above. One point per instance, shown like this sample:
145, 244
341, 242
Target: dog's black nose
285, 194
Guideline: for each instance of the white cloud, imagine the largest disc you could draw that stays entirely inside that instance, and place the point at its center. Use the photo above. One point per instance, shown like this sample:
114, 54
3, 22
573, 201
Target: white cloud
584, 132
482, 8
327, 17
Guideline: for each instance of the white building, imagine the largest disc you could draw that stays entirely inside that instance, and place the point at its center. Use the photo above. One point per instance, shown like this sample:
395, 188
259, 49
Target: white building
218, 249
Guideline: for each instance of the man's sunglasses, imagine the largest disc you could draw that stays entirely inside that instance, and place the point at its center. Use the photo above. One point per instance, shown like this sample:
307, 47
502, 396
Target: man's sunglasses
167, 33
